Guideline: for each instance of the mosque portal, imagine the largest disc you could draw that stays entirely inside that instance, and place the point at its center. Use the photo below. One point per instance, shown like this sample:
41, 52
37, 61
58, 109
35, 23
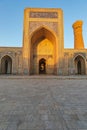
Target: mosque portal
43, 54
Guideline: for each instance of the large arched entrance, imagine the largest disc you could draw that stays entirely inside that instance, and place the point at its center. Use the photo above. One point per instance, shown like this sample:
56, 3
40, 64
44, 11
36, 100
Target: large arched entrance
43, 52
6, 65
79, 65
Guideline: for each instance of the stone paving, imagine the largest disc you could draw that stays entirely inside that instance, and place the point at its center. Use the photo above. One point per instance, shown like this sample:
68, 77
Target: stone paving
43, 103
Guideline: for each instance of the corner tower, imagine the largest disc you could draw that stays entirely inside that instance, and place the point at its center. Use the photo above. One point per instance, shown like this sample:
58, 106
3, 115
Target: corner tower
78, 37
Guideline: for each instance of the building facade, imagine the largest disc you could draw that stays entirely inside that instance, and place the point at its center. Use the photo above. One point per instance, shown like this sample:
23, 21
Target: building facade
43, 49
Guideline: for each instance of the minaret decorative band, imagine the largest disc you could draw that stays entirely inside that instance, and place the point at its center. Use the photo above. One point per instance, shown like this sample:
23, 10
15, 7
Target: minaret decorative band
78, 37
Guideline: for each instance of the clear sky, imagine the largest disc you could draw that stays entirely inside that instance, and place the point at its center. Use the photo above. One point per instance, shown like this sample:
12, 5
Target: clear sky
11, 19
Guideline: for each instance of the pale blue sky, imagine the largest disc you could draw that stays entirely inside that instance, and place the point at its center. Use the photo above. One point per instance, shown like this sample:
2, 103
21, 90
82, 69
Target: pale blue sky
11, 19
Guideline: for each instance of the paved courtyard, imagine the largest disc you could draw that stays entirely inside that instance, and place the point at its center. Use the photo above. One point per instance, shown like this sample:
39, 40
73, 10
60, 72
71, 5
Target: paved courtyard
43, 103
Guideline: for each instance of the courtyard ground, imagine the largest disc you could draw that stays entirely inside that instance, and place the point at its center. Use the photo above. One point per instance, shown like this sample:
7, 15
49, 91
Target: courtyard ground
43, 103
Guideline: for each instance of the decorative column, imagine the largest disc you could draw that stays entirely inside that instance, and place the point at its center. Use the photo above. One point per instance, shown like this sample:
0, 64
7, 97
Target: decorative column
78, 37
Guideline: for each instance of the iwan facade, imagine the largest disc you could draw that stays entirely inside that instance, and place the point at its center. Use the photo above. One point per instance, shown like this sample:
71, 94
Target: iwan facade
43, 49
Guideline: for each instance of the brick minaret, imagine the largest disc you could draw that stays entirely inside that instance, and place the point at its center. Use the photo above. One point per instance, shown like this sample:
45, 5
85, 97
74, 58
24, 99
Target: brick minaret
78, 38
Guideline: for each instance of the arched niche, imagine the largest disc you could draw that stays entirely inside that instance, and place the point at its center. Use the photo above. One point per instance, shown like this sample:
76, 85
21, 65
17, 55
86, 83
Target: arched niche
43, 46
79, 65
6, 65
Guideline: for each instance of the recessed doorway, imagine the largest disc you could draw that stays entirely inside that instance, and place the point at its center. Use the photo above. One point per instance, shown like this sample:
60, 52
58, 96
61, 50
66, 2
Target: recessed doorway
79, 65
42, 66
6, 65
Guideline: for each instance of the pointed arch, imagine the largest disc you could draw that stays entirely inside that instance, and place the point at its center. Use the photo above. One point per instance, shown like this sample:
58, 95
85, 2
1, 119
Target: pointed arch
79, 62
42, 40
6, 65
42, 66
80, 56
41, 33
43, 27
